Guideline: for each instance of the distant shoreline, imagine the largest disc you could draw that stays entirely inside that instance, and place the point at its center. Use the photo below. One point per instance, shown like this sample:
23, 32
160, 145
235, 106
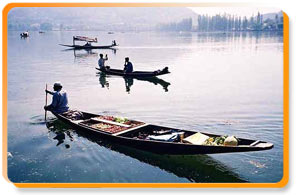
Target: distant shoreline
199, 32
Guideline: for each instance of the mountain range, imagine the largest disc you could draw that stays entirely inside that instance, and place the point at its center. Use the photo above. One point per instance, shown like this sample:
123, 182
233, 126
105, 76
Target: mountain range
98, 18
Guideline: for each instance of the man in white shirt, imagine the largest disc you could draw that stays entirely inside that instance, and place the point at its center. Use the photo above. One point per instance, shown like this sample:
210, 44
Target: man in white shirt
101, 61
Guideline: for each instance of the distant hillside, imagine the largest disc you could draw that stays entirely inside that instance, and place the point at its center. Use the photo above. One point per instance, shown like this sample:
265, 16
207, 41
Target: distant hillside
95, 18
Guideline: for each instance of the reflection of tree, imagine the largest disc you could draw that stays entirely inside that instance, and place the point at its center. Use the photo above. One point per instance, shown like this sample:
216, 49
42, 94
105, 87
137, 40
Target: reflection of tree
195, 168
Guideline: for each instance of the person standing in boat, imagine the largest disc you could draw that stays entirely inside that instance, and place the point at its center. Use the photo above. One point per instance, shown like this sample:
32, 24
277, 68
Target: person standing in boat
128, 67
60, 101
101, 61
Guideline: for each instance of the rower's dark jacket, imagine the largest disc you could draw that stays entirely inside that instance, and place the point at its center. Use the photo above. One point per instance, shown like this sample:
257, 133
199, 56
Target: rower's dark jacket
128, 67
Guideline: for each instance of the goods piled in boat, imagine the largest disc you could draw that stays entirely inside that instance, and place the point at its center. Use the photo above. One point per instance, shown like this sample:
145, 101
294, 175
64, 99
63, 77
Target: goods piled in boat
169, 135
215, 141
120, 120
73, 114
231, 141
197, 138
111, 124
202, 139
102, 126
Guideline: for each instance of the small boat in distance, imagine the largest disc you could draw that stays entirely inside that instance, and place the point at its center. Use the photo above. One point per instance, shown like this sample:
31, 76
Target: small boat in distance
24, 34
146, 137
134, 74
88, 44
41, 32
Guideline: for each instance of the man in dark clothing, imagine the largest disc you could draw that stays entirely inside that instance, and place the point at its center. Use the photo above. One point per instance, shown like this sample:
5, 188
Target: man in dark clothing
128, 67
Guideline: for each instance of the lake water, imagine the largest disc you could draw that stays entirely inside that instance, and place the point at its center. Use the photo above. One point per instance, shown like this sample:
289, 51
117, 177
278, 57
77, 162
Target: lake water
226, 83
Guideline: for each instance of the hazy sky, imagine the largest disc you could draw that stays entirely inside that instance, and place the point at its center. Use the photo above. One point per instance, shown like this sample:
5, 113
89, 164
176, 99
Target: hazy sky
240, 11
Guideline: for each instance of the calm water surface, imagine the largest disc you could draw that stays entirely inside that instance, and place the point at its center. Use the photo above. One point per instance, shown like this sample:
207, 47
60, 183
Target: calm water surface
219, 83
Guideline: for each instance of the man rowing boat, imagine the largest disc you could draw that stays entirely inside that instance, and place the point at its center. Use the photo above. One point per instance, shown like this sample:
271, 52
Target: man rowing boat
101, 61
128, 67
60, 101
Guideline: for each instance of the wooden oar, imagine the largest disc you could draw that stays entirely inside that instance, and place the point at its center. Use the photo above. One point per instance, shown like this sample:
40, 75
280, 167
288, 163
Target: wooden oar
45, 102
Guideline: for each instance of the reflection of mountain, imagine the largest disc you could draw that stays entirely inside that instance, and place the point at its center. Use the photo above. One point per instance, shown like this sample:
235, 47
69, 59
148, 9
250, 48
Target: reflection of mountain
196, 168
130, 81
96, 18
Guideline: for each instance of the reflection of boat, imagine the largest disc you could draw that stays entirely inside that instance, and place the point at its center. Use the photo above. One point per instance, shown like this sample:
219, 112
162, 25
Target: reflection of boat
135, 74
130, 81
196, 168
88, 44
88, 53
135, 134
156, 81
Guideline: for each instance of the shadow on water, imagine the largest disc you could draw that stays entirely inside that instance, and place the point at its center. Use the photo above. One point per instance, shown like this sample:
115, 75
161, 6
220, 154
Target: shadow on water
195, 168
130, 81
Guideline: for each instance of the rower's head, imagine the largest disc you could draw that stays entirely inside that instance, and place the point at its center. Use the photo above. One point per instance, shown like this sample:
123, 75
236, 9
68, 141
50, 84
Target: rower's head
101, 55
57, 86
126, 59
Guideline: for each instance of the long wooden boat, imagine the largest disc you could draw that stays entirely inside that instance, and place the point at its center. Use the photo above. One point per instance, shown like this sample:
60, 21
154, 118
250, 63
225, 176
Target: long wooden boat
132, 134
189, 166
90, 46
135, 74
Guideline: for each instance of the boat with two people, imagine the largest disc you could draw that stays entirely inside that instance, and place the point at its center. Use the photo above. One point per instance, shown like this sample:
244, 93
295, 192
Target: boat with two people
24, 34
135, 74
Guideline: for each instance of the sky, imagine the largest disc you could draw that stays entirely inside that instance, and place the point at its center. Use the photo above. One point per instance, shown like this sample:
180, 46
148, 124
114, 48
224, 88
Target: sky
239, 11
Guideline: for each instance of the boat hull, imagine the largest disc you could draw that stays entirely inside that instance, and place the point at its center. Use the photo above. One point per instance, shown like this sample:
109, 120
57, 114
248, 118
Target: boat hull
90, 47
135, 74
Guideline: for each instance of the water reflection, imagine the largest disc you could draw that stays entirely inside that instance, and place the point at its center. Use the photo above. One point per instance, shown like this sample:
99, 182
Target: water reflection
195, 168
87, 53
254, 36
83, 53
130, 81
102, 80
60, 132
128, 84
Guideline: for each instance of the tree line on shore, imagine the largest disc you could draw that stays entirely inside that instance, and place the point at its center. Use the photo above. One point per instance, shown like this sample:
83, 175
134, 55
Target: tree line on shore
225, 22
